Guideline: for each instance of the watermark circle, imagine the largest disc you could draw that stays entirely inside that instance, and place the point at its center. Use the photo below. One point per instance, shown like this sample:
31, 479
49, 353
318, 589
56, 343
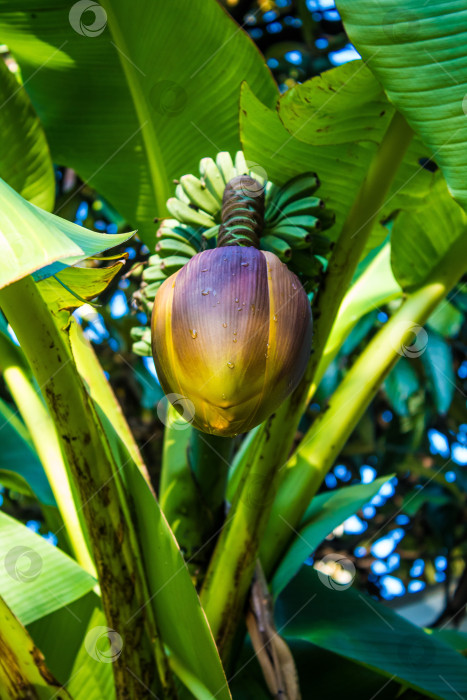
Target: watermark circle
97, 25
254, 182
168, 98
418, 337
23, 564
335, 571
185, 411
103, 644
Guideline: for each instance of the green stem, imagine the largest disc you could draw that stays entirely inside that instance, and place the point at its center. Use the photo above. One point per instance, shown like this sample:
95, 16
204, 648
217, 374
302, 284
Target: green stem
44, 437
232, 565
224, 595
208, 461
195, 469
113, 538
325, 439
208, 458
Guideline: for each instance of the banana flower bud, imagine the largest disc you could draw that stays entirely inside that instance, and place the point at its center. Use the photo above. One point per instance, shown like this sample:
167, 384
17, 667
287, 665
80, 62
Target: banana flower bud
231, 332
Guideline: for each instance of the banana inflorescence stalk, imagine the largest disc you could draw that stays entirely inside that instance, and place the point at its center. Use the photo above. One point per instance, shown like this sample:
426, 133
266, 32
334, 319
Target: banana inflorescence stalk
242, 212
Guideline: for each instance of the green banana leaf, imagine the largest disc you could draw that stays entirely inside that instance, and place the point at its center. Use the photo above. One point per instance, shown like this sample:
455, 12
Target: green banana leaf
141, 100
70, 623
326, 511
374, 287
22, 666
351, 681
25, 161
401, 383
446, 320
457, 639
15, 482
359, 628
191, 648
418, 52
342, 105
91, 676
420, 238
37, 578
361, 329
74, 286
341, 167
19, 459
438, 362
32, 239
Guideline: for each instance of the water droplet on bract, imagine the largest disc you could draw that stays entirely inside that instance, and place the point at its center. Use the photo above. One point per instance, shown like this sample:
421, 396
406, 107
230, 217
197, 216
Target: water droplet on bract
214, 293
244, 264
274, 318
244, 303
235, 340
230, 365
267, 356
267, 345
194, 334
252, 307
294, 286
235, 332
224, 325
206, 291
205, 269
225, 259
223, 396
236, 301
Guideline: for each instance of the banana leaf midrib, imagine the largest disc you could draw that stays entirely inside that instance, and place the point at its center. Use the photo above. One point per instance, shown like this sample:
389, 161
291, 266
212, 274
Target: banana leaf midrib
153, 152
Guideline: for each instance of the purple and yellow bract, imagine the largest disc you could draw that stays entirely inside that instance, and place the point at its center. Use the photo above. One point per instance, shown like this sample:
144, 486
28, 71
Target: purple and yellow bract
231, 331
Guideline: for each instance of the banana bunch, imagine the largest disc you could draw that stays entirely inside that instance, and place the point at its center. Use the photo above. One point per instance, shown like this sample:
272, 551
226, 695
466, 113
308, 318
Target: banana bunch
293, 221
176, 244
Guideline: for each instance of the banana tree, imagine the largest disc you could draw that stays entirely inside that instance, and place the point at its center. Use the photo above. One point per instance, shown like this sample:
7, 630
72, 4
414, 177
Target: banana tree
309, 209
